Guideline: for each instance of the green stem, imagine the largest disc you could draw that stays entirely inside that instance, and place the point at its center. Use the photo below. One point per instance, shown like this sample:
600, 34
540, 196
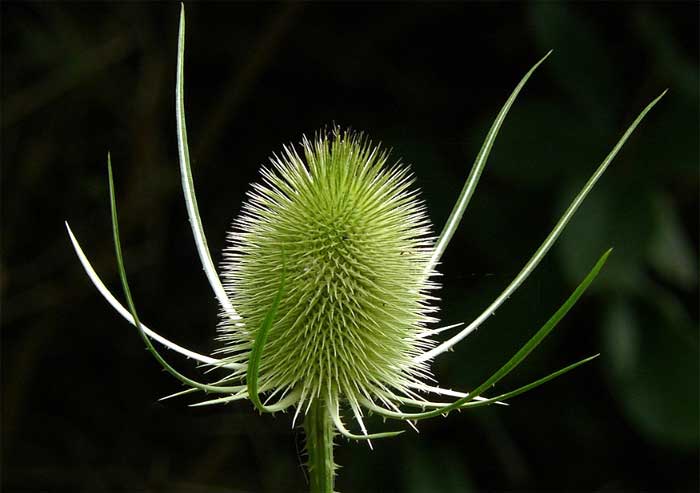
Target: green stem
319, 446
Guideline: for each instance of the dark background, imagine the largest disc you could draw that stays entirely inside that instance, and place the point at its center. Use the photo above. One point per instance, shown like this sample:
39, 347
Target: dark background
79, 410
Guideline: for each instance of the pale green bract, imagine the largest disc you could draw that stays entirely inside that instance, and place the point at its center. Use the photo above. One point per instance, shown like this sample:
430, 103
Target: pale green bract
327, 287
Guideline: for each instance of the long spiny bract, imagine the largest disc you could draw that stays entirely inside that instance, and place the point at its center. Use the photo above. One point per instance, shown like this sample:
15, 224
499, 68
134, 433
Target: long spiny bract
357, 241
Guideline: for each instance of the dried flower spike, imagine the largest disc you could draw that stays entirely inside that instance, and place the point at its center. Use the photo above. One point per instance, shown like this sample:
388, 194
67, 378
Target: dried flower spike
325, 293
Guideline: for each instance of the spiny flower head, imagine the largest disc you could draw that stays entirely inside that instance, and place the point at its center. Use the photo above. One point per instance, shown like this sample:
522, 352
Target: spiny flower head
354, 241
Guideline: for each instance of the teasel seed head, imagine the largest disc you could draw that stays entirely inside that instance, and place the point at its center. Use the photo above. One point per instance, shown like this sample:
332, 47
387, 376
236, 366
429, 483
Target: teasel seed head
353, 237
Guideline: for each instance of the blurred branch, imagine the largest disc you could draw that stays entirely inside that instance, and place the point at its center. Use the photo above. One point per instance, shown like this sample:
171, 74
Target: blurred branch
667, 54
78, 69
241, 81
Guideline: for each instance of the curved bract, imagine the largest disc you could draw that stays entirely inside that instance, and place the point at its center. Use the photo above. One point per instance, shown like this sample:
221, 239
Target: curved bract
326, 287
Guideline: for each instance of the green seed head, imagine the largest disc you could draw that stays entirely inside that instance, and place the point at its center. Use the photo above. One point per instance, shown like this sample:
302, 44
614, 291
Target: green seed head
353, 239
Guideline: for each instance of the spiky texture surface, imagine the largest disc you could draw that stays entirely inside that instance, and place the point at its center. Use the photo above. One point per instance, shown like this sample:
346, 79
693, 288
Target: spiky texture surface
355, 241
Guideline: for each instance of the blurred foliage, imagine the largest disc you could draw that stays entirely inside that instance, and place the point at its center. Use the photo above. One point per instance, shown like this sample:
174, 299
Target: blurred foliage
79, 408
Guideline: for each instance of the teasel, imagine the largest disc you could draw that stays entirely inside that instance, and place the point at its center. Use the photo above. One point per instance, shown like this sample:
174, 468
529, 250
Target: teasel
327, 289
